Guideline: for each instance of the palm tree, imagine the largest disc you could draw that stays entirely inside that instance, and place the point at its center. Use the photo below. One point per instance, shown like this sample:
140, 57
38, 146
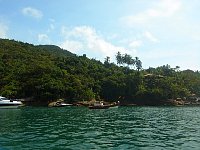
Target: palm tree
127, 59
119, 58
138, 64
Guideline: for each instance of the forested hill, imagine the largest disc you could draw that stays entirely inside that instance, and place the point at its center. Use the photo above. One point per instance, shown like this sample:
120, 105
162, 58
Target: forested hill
47, 72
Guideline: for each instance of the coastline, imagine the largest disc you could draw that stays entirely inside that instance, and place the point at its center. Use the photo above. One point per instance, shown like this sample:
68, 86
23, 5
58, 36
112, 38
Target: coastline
55, 103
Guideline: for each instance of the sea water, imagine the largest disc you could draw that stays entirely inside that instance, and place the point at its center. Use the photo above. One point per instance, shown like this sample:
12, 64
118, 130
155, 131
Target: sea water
81, 128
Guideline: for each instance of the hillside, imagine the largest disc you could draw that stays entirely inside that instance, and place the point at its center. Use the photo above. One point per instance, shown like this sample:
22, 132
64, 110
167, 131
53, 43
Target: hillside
47, 72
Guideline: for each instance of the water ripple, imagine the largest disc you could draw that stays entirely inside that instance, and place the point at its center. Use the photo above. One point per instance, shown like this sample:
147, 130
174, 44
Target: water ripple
81, 128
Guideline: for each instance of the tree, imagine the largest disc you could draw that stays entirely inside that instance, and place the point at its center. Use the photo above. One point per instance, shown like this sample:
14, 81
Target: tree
119, 58
138, 64
49, 73
107, 61
127, 59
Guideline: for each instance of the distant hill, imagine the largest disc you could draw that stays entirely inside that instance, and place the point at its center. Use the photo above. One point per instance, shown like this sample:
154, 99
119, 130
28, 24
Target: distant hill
47, 72
56, 50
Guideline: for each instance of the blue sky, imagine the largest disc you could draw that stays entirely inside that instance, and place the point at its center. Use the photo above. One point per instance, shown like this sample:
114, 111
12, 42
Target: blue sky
159, 32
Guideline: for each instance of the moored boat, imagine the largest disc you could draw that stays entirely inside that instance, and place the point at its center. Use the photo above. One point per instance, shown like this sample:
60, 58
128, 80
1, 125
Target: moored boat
7, 103
62, 105
98, 105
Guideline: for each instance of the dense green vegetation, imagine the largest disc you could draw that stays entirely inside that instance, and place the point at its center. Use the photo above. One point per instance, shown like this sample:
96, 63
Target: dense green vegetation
48, 72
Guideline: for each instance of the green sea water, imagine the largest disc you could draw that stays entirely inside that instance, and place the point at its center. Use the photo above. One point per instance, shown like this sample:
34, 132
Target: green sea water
118, 128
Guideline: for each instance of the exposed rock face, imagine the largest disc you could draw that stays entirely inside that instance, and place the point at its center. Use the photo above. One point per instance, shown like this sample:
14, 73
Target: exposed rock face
56, 103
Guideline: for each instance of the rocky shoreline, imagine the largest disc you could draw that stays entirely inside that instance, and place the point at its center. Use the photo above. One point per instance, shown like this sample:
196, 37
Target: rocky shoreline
194, 101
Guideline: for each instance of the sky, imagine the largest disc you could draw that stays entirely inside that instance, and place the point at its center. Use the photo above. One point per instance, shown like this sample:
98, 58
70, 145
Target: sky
159, 32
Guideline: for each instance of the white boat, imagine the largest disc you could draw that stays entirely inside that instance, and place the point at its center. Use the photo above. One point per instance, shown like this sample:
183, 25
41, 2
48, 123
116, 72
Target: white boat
62, 105
7, 103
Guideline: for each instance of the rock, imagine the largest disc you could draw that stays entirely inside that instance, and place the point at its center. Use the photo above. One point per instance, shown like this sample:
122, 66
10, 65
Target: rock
55, 103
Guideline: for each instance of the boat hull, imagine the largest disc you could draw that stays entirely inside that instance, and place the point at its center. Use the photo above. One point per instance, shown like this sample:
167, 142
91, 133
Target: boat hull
99, 107
7, 103
9, 106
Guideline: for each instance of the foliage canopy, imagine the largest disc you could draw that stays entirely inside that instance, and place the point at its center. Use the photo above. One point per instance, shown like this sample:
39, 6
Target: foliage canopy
47, 72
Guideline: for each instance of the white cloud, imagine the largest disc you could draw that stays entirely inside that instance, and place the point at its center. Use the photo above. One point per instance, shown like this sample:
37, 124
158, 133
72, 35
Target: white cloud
112, 37
163, 8
32, 12
3, 30
86, 39
43, 39
51, 25
72, 46
161, 54
173, 57
150, 37
51, 28
135, 44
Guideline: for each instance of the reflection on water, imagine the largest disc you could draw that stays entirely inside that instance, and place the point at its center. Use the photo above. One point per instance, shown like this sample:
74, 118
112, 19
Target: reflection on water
81, 128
